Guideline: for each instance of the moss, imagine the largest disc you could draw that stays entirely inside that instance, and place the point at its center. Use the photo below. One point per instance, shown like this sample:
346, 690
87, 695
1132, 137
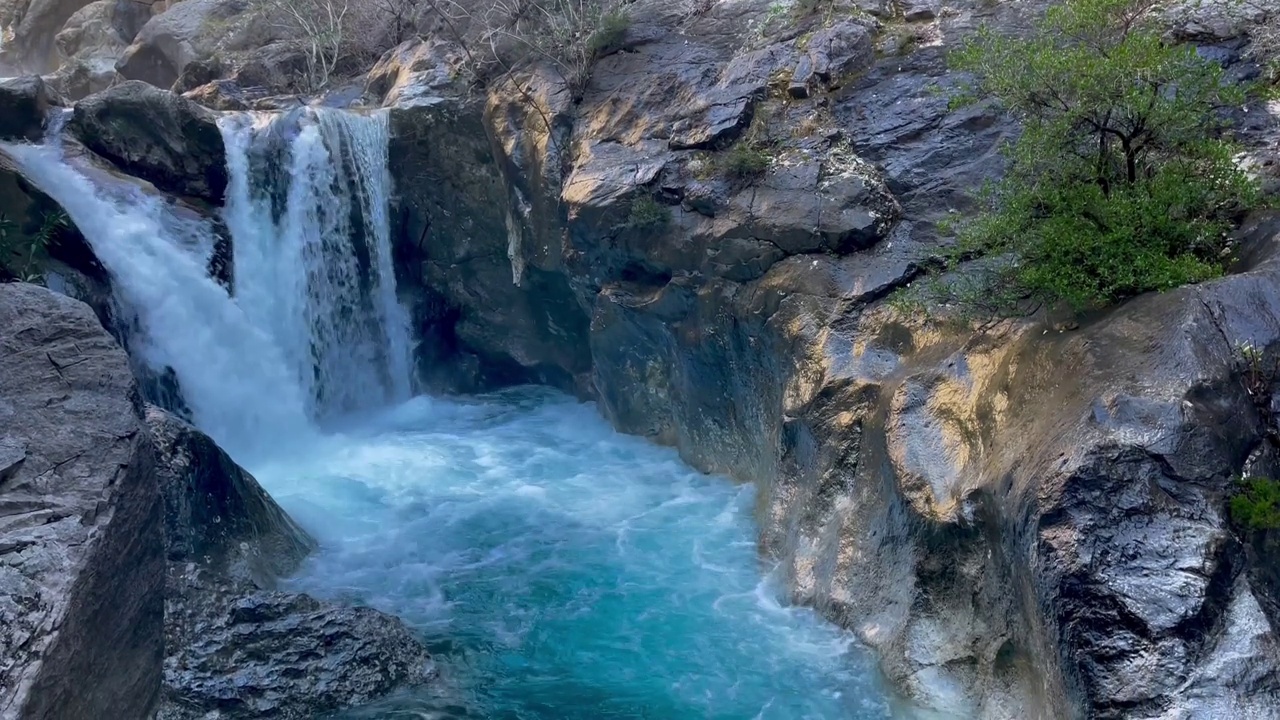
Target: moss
1257, 505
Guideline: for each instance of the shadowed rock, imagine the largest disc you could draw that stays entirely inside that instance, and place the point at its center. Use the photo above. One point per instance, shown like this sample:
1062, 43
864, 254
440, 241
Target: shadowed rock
157, 136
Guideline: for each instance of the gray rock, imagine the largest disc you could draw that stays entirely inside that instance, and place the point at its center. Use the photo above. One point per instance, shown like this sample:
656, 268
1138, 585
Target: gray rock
189, 31
235, 646
81, 561
89, 44
26, 101
288, 656
155, 135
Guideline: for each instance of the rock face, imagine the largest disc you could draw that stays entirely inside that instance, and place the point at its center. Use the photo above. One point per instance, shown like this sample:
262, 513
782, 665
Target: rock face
188, 31
90, 43
81, 561
236, 645
26, 101
155, 135
138, 562
1022, 523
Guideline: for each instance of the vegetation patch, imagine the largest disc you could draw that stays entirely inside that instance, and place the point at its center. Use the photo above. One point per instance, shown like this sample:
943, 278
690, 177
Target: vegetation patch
1122, 181
745, 160
20, 254
646, 214
1257, 505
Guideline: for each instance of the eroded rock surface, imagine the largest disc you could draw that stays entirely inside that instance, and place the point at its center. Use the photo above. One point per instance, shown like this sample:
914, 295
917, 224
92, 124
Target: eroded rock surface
1022, 523
26, 102
81, 559
139, 563
236, 645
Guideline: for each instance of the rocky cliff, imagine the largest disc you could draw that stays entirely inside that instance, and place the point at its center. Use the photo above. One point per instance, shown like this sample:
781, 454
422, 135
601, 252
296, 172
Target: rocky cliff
1023, 522
135, 556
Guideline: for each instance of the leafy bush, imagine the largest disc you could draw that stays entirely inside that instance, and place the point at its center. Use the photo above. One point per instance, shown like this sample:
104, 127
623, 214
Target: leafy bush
647, 214
1257, 506
1120, 183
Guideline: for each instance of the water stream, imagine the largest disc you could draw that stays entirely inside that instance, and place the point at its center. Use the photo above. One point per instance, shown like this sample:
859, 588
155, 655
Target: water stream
559, 570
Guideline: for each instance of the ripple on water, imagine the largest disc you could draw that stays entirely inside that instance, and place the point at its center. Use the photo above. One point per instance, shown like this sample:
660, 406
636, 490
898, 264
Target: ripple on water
562, 571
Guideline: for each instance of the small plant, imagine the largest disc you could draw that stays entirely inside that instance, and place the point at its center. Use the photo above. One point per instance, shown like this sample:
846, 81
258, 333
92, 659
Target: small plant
646, 214
744, 161
1257, 505
27, 250
611, 33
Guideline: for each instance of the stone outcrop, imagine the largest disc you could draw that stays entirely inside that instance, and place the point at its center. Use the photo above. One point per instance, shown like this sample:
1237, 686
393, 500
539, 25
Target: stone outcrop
138, 563
160, 137
189, 31
235, 643
26, 101
1022, 523
91, 42
81, 560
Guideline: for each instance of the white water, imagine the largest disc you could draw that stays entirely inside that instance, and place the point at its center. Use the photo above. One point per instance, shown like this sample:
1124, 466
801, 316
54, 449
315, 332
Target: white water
233, 376
297, 244
559, 571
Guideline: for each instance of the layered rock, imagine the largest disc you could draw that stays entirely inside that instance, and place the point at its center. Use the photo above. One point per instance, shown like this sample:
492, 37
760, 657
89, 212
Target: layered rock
138, 563
160, 137
1022, 524
81, 532
236, 644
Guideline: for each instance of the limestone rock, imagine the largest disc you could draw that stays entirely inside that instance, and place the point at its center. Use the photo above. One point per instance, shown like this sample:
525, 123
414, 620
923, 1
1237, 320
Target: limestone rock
81, 561
26, 101
155, 135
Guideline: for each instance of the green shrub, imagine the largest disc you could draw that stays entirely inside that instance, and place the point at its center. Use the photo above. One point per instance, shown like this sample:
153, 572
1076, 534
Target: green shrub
1257, 506
1120, 183
744, 161
611, 32
646, 214
19, 254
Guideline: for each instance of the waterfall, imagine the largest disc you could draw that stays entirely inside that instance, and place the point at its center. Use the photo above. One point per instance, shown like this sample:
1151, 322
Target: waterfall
308, 210
233, 377
313, 328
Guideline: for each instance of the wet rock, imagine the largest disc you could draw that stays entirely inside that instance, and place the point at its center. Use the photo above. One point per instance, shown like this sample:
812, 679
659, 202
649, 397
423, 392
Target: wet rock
1022, 522
26, 101
284, 655
234, 644
155, 135
81, 561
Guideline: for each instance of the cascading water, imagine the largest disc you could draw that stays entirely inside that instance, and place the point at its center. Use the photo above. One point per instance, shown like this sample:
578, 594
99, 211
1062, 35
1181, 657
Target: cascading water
308, 210
232, 375
560, 571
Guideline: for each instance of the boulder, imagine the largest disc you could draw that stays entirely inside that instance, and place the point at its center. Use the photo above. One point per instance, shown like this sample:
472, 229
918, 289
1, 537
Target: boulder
192, 30
81, 532
155, 135
26, 101
235, 644
34, 25
88, 46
